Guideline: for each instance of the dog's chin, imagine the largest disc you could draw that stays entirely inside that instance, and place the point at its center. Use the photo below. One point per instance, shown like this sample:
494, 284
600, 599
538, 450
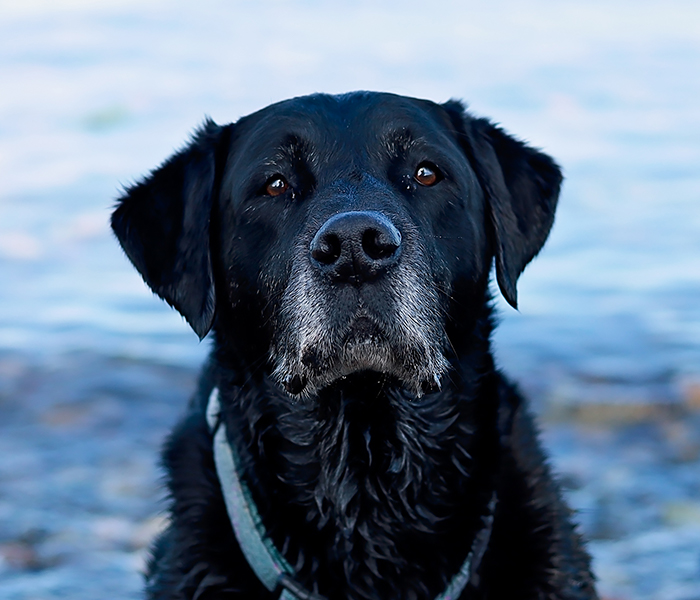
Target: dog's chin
363, 356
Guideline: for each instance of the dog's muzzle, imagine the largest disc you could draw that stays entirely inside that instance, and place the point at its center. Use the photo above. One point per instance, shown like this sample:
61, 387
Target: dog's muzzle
360, 298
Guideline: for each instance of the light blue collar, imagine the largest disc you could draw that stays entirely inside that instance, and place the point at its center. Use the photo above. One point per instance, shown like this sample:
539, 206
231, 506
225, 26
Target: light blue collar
271, 568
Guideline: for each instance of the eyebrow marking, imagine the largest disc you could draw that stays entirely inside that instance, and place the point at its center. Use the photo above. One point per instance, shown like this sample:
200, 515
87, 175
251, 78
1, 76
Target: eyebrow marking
399, 141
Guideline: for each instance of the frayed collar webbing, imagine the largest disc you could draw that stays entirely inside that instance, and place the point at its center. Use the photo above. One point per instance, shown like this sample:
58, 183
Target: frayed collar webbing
266, 561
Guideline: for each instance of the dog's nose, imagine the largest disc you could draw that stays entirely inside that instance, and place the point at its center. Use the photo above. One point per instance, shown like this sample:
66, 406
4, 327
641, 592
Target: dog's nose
356, 246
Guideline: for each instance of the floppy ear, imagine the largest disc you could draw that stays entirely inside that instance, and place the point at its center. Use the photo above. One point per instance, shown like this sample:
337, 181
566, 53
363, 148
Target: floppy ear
162, 224
521, 186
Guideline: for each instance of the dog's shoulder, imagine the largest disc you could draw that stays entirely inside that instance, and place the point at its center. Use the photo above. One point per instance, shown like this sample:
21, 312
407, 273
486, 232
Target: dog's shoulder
197, 553
534, 537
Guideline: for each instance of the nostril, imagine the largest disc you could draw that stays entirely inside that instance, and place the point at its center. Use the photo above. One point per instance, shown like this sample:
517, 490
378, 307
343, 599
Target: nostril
380, 244
326, 249
356, 246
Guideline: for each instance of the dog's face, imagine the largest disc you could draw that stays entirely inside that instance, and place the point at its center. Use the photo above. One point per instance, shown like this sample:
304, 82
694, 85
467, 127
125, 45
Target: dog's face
358, 214
356, 225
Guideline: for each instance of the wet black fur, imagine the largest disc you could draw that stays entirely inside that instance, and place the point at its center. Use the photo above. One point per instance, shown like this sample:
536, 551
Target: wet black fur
371, 492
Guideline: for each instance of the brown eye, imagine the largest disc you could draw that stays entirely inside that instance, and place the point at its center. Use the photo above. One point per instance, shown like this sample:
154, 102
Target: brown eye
427, 174
276, 186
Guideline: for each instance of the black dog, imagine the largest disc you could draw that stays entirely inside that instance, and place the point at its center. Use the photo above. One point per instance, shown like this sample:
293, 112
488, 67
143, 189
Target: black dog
351, 438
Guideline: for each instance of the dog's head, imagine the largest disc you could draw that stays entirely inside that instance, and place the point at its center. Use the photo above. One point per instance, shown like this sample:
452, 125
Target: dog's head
355, 226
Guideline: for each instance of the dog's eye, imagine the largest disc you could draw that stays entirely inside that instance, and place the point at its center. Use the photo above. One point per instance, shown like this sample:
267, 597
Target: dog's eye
276, 186
427, 174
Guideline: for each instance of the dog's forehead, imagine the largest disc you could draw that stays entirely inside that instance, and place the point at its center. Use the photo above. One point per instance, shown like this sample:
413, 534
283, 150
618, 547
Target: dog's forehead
356, 121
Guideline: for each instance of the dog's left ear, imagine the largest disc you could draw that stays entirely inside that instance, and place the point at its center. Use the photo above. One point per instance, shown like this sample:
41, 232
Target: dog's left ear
162, 224
521, 186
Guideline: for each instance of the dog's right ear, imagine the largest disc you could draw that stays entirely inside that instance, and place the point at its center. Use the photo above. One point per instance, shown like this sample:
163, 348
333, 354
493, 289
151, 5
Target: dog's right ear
162, 224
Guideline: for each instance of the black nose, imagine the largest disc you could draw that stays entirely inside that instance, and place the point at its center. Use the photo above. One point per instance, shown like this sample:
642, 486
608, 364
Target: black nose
356, 246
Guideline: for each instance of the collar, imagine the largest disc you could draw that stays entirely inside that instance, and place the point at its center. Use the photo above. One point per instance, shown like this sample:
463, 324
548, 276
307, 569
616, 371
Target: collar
266, 561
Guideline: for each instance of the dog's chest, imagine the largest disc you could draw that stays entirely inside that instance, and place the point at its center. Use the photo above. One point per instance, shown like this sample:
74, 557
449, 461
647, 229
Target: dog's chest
381, 496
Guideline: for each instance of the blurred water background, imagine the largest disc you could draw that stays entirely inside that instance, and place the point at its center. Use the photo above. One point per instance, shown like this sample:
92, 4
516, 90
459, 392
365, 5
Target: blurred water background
94, 368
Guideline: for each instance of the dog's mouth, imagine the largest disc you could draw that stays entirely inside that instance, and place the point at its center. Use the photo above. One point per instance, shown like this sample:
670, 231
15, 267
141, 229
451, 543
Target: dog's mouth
364, 345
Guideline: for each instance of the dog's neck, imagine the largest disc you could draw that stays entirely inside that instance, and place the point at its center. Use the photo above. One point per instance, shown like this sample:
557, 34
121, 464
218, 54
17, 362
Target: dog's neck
386, 484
